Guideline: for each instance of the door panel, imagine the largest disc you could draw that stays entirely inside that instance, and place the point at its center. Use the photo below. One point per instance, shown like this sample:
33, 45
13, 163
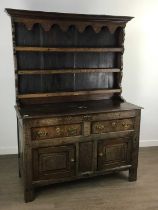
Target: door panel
113, 153
54, 162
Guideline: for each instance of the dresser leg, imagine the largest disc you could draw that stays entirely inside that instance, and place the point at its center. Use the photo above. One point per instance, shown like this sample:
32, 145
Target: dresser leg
29, 195
18, 138
132, 174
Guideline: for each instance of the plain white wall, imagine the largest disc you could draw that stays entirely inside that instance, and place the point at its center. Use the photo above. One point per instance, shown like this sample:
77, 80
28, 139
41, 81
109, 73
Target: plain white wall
140, 59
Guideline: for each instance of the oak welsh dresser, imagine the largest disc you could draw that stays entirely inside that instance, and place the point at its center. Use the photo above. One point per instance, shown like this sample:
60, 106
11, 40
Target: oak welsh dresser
72, 121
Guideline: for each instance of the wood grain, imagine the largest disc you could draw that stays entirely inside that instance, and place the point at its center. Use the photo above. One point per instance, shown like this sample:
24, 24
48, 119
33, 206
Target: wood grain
66, 71
65, 65
40, 95
70, 49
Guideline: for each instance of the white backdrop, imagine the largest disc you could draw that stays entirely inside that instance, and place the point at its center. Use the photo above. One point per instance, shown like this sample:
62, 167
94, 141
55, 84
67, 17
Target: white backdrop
140, 59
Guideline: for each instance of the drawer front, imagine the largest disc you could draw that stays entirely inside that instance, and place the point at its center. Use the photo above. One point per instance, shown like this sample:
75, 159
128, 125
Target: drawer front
112, 126
41, 133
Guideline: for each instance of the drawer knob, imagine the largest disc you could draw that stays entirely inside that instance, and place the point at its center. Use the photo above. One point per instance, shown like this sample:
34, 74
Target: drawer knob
113, 124
42, 133
72, 160
101, 154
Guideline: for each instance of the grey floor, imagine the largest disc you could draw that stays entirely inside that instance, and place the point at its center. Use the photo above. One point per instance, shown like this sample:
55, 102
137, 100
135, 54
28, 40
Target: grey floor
108, 192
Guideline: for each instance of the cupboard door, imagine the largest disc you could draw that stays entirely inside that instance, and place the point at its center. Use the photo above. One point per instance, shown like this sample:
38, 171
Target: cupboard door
54, 162
113, 153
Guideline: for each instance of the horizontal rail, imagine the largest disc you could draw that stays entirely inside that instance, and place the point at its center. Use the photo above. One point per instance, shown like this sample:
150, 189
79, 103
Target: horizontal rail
67, 71
68, 49
76, 93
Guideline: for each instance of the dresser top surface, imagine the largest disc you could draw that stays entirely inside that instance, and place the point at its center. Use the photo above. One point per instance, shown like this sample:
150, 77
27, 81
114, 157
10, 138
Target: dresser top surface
65, 16
73, 108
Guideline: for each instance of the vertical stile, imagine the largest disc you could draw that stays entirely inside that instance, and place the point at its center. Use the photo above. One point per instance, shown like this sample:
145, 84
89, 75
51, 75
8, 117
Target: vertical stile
15, 60
121, 38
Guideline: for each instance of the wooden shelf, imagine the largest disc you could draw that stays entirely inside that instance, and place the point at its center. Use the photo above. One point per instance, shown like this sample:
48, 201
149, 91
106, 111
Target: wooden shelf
76, 93
66, 71
66, 49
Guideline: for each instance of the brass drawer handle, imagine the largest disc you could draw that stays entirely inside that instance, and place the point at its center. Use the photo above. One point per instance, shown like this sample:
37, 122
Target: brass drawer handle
125, 125
100, 127
41, 133
114, 124
58, 131
72, 131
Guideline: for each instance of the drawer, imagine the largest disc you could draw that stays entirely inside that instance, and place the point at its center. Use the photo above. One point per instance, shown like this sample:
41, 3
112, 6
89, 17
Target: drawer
112, 126
40, 133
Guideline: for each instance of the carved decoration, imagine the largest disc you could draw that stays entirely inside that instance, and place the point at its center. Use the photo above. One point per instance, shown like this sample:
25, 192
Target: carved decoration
46, 26
64, 25
29, 25
112, 28
81, 28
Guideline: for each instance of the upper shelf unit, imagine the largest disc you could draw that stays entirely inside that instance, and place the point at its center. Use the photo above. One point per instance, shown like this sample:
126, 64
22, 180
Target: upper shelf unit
67, 55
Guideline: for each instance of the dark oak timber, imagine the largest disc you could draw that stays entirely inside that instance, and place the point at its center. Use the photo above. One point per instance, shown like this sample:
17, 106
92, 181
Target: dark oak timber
72, 120
45, 49
67, 71
37, 95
